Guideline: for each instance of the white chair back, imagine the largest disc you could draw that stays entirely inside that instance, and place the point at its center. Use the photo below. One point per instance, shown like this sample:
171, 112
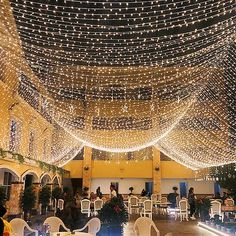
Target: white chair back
18, 226
54, 206
98, 204
54, 203
143, 225
215, 208
218, 200
133, 201
154, 198
163, 199
183, 205
147, 206
177, 201
60, 204
85, 206
93, 226
54, 224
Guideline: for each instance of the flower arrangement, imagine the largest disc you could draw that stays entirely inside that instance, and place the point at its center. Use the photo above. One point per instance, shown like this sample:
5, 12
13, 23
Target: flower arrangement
203, 206
113, 212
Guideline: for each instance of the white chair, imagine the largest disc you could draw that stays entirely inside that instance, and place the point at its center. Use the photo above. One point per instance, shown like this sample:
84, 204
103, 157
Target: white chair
85, 206
177, 201
98, 204
93, 226
54, 224
155, 198
218, 200
163, 205
18, 226
216, 210
182, 210
147, 209
143, 226
60, 204
133, 204
54, 206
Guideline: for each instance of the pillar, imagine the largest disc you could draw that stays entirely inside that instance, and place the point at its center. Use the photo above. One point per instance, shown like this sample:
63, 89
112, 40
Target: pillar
37, 187
156, 170
14, 202
87, 167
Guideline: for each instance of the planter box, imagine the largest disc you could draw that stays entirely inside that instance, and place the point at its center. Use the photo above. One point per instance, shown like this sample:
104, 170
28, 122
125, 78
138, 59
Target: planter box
111, 230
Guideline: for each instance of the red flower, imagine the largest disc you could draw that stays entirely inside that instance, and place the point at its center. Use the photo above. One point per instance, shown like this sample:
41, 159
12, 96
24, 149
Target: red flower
117, 209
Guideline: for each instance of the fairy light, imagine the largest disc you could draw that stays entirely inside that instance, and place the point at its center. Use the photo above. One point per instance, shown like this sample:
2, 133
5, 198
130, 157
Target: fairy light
120, 76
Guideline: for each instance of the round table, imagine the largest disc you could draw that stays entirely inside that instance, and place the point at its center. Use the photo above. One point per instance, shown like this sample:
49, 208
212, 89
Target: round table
70, 234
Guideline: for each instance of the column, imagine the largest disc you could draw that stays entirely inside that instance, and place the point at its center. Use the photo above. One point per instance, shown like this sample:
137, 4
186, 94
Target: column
156, 170
37, 187
87, 167
14, 202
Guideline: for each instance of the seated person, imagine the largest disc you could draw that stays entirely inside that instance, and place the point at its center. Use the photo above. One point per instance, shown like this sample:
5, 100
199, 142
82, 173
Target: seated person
172, 197
77, 198
225, 196
143, 193
93, 196
5, 227
217, 196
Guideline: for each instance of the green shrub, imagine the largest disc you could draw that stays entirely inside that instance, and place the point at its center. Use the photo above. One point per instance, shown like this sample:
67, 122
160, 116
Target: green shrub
113, 212
56, 193
2, 195
28, 199
44, 196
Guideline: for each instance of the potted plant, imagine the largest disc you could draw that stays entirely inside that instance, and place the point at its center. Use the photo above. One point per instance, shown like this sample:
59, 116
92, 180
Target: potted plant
44, 198
2, 195
131, 190
57, 193
113, 216
203, 206
28, 201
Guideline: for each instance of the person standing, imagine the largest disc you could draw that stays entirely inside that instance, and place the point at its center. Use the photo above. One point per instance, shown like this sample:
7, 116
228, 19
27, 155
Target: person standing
172, 197
99, 193
113, 191
191, 201
5, 227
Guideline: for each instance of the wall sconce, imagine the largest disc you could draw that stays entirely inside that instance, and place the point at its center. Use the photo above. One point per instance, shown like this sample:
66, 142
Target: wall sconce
86, 168
157, 168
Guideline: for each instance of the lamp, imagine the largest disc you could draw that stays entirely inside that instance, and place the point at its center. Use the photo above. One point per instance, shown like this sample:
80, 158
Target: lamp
86, 168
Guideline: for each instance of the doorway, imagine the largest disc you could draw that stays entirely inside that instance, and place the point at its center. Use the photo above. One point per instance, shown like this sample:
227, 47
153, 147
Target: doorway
183, 187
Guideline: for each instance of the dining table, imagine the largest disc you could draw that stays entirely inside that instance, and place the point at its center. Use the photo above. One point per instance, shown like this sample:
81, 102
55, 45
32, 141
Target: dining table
228, 209
70, 234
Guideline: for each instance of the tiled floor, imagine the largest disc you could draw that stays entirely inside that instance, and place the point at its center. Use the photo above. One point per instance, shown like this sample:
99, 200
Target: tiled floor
177, 228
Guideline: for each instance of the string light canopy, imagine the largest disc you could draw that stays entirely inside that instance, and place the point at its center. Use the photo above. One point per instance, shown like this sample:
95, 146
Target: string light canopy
120, 76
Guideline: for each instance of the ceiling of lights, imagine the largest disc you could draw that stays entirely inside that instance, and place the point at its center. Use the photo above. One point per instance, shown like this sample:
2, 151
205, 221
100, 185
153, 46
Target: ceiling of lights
120, 76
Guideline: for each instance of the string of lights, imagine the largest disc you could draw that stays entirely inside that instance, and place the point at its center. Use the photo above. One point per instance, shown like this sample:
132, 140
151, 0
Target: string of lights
122, 76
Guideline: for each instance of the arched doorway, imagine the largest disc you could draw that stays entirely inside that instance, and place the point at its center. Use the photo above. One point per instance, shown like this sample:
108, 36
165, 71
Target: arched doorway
45, 179
56, 181
7, 177
30, 177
